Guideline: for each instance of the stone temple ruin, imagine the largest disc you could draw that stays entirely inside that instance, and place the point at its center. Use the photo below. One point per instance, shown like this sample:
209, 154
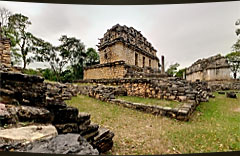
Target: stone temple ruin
124, 52
210, 69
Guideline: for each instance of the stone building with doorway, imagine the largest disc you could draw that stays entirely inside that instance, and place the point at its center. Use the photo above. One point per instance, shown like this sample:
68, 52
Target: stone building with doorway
124, 52
209, 69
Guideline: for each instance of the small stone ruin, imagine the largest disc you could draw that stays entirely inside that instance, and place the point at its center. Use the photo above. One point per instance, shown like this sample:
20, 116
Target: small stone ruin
209, 69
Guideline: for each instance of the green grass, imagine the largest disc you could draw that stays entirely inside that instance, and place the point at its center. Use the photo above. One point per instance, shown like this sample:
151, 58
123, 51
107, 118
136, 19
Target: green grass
214, 127
150, 101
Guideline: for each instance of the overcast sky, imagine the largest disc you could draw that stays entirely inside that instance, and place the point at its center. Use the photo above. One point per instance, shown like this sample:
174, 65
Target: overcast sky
183, 33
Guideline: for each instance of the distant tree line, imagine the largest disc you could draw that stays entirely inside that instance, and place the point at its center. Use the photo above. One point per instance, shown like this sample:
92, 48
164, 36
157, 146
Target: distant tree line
66, 60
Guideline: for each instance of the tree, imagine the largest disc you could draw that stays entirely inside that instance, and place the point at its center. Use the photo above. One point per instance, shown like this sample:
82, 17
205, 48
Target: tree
21, 40
46, 52
236, 46
234, 57
92, 57
4, 20
234, 61
180, 73
70, 52
171, 71
4, 16
74, 50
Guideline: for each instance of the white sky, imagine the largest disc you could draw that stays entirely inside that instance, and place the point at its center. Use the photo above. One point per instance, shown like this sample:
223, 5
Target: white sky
183, 33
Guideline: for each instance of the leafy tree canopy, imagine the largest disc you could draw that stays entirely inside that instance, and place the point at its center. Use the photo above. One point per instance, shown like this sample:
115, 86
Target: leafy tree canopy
172, 70
234, 61
92, 57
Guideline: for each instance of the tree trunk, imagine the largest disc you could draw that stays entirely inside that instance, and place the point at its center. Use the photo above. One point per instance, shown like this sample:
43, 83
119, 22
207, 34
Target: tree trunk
235, 75
24, 62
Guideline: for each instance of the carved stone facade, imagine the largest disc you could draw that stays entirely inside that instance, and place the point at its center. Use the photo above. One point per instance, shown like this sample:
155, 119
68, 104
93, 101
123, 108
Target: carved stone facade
212, 68
123, 44
5, 55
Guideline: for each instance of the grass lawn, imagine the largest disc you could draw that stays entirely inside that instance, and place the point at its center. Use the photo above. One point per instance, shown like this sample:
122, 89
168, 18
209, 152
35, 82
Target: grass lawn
214, 127
150, 101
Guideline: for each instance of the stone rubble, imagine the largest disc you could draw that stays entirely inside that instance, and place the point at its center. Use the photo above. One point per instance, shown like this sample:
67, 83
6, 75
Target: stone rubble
28, 98
62, 144
231, 95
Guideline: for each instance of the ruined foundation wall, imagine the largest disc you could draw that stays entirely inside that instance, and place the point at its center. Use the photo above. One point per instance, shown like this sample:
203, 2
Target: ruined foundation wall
190, 94
162, 88
224, 85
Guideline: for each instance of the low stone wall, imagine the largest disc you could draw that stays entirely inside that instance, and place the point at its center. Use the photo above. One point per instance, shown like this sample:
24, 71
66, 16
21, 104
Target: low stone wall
224, 85
183, 112
108, 93
162, 88
28, 98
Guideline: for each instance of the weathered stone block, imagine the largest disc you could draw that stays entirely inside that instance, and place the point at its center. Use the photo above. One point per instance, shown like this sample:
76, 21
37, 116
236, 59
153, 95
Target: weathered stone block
66, 115
67, 128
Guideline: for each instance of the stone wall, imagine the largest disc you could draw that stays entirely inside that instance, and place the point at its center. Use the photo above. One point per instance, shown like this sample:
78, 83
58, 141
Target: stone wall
212, 68
108, 93
118, 70
29, 98
162, 88
224, 85
105, 71
173, 89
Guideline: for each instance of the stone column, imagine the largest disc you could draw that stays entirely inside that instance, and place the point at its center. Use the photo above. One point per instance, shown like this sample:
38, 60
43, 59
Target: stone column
162, 66
6, 53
